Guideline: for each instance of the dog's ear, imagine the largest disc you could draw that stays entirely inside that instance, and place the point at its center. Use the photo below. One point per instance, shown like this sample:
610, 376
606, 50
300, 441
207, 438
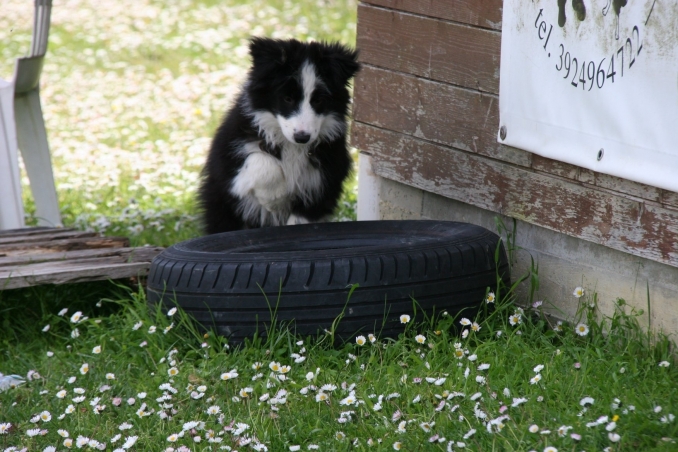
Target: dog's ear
342, 60
266, 51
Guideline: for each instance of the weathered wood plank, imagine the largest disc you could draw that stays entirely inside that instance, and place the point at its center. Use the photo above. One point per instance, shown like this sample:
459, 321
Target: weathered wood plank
429, 48
80, 243
32, 231
482, 13
43, 236
587, 213
669, 198
601, 180
628, 187
140, 254
551, 166
435, 111
33, 275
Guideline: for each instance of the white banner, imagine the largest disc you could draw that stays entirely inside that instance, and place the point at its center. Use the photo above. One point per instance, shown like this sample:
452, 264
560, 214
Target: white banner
593, 83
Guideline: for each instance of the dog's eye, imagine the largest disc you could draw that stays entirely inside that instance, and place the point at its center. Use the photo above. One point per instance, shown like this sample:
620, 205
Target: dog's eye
288, 99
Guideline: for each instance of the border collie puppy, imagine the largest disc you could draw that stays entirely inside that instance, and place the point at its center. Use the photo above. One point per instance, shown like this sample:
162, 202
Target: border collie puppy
280, 155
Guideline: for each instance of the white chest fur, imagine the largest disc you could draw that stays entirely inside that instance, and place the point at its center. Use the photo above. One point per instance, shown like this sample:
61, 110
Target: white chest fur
267, 185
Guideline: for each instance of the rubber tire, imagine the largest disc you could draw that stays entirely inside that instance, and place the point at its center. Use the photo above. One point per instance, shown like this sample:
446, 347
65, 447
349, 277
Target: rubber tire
308, 271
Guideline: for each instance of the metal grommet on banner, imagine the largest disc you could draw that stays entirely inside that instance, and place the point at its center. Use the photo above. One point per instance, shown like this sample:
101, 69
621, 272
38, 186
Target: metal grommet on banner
502, 132
601, 152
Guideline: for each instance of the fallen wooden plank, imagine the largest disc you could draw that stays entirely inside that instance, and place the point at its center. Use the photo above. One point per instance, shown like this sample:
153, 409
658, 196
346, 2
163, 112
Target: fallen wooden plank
44, 236
73, 273
16, 249
146, 253
31, 230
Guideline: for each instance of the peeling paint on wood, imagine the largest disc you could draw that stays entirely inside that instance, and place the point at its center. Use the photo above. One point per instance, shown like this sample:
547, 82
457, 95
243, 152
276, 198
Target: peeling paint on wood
437, 50
669, 198
629, 187
568, 207
433, 111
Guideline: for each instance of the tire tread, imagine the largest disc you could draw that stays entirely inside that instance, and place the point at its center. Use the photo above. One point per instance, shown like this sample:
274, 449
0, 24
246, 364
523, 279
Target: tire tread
450, 274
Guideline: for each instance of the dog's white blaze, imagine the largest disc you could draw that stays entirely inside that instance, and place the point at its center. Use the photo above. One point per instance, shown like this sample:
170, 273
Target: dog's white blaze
305, 119
277, 130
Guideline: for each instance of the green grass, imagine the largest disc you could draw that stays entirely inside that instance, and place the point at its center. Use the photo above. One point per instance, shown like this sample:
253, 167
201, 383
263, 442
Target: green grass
431, 374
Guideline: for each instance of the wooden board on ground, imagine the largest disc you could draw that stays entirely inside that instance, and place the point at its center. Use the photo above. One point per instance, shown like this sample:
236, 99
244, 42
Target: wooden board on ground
36, 256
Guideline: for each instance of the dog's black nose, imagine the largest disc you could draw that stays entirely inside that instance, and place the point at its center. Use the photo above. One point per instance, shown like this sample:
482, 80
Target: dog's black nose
301, 137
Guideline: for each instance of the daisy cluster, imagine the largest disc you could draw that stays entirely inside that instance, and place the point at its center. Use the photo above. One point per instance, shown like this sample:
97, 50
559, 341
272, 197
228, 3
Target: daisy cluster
141, 388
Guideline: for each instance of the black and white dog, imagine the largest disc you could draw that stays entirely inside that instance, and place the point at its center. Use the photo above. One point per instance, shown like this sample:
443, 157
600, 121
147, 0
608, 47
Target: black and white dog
280, 155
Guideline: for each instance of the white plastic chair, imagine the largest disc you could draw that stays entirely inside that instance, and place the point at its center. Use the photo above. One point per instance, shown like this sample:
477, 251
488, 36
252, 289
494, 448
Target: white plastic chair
24, 125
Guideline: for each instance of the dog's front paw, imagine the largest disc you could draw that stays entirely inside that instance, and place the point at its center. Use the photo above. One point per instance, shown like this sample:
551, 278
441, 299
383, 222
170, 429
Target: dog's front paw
271, 196
262, 177
295, 219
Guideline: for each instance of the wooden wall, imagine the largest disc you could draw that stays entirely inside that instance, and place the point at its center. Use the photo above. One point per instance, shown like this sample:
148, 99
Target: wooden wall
427, 112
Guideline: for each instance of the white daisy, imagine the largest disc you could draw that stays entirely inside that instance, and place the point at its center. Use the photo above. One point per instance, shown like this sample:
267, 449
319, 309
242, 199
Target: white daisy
582, 329
518, 401
427, 426
586, 401
129, 442
229, 375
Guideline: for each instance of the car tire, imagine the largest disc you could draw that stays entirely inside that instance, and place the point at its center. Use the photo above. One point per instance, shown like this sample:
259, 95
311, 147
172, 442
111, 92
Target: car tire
237, 282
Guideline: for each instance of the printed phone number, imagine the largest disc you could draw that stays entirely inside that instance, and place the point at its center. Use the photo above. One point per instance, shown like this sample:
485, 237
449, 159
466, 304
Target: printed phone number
589, 73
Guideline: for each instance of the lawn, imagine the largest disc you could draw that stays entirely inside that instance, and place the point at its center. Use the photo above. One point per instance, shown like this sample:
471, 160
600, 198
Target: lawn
132, 91
102, 372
